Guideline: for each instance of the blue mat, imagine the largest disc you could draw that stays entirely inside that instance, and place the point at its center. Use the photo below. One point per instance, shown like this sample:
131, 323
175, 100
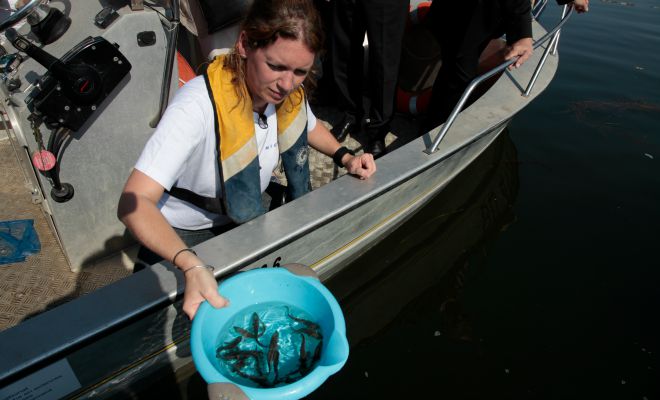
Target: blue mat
18, 239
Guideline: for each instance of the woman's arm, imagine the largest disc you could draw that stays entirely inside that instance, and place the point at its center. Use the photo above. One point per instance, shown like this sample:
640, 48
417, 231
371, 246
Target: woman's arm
139, 212
322, 140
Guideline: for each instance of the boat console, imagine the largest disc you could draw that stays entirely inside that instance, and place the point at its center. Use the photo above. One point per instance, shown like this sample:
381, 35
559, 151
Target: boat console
81, 84
69, 93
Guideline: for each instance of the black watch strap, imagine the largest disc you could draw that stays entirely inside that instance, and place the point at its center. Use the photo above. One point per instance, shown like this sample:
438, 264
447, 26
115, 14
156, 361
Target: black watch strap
340, 153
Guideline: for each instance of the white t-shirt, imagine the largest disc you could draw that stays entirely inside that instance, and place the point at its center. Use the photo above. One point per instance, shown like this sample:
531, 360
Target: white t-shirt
182, 152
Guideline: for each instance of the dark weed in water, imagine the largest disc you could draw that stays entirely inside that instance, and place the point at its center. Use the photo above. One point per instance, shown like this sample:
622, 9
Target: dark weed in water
291, 335
584, 109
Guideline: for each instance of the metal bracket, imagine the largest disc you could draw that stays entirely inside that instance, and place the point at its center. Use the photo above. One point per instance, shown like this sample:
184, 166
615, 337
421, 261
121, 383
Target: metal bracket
137, 5
301, 270
36, 195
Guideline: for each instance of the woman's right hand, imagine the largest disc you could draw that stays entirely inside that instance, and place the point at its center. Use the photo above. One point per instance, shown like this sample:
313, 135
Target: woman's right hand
201, 285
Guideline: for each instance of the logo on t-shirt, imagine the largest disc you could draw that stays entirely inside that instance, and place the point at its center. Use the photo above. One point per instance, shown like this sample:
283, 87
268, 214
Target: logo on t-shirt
301, 157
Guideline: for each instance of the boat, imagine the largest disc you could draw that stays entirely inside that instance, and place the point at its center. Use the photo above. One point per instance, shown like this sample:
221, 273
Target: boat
103, 343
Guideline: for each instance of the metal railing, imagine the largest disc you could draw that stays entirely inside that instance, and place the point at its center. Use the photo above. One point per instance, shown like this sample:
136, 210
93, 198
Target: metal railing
553, 36
539, 7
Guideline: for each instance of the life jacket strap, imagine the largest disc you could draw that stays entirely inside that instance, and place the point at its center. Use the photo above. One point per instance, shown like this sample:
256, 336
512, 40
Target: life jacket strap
210, 204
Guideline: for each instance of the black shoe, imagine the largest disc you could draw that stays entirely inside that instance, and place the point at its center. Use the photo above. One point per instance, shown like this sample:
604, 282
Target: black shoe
376, 148
346, 127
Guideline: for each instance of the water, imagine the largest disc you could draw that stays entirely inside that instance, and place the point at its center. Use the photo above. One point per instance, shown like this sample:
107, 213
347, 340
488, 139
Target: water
268, 345
551, 291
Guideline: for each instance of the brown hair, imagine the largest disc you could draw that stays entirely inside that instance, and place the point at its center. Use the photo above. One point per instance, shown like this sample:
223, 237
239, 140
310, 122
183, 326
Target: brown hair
268, 20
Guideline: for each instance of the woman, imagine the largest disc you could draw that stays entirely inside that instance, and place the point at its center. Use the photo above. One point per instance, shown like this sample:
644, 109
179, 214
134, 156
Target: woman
214, 151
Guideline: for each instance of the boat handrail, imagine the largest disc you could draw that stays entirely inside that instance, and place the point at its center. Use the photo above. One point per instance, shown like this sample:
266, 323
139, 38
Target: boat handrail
538, 9
552, 48
553, 36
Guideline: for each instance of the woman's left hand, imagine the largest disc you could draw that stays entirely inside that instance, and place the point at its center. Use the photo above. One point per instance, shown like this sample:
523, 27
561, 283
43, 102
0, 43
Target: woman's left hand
362, 166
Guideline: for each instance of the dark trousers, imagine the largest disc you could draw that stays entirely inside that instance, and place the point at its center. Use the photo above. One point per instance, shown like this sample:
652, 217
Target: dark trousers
324, 93
463, 30
384, 23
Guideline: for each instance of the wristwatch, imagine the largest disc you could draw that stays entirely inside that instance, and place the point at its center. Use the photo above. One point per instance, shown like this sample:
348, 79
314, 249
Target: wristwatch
340, 153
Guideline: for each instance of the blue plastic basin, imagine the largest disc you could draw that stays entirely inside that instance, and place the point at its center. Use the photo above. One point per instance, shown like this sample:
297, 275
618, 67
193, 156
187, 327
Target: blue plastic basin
269, 285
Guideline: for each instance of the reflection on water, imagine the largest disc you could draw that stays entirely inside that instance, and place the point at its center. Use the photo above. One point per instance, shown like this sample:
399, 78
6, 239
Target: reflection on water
403, 300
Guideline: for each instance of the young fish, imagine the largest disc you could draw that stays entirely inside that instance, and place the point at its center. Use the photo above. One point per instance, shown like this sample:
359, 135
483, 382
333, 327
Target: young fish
228, 345
292, 376
242, 356
303, 354
317, 352
247, 334
239, 364
235, 355
310, 331
256, 329
307, 323
258, 379
257, 325
274, 354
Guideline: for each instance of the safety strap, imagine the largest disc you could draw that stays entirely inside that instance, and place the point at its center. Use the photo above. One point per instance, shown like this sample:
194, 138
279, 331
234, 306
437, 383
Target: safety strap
210, 204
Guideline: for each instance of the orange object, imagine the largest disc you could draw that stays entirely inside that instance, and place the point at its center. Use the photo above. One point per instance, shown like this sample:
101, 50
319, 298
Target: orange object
186, 72
413, 103
492, 56
418, 12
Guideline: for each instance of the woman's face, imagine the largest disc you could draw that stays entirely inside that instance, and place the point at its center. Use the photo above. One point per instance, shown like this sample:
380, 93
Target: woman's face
274, 71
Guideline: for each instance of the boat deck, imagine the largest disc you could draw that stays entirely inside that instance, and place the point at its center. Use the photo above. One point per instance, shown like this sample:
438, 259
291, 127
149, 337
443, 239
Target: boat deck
44, 280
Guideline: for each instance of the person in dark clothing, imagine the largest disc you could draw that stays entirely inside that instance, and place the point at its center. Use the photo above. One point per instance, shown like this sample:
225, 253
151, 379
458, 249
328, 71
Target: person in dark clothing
463, 30
384, 22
